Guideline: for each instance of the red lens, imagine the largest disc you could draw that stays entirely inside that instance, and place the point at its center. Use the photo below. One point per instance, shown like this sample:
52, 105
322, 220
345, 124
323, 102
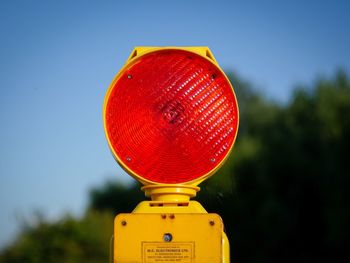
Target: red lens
171, 116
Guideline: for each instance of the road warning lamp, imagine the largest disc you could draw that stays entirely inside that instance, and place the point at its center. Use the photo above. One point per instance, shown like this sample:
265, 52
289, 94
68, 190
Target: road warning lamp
171, 119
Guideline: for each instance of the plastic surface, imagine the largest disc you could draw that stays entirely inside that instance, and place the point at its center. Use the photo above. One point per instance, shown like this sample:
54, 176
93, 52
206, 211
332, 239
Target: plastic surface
168, 237
171, 117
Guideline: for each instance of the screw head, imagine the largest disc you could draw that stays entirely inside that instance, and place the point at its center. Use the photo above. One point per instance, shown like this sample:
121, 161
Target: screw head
167, 237
123, 223
129, 76
212, 222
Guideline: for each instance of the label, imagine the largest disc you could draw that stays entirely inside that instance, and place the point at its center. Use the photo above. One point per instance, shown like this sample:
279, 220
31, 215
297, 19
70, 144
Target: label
167, 252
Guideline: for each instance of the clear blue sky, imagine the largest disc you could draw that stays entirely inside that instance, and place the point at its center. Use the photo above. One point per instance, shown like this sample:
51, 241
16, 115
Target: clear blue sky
57, 59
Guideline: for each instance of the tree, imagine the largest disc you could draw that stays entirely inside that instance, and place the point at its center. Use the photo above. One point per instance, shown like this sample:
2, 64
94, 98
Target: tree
69, 240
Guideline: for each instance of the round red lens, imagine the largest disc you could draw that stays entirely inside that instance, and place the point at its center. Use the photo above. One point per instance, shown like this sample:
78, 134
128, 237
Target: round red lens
171, 116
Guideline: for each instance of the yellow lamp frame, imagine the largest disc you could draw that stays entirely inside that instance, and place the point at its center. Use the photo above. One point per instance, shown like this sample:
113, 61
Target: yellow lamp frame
189, 187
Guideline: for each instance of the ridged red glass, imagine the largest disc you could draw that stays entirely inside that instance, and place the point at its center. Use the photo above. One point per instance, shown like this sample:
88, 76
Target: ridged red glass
171, 116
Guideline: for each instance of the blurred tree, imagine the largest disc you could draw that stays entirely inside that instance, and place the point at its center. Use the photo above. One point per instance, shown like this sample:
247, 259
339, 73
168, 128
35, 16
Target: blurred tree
69, 240
283, 193
116, 197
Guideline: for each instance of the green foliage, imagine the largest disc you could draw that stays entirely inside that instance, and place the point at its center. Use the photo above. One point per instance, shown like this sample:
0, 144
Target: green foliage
283, 193
69, 240
116, 197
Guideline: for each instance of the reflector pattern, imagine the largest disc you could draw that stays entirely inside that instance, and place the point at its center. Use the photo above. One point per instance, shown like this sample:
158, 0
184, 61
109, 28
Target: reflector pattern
171, 116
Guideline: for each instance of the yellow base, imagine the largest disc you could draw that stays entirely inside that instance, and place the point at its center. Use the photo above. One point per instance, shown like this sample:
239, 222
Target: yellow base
196, 236
148, 238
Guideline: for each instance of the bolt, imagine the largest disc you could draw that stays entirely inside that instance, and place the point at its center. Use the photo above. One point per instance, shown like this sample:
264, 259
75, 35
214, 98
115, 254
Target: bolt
212, 222
124, 223
212, 160
167, 237
172, 216
128, 159
163, 216
129, 76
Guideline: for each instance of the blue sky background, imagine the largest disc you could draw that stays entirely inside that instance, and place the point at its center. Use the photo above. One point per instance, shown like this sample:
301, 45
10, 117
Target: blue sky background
57, 59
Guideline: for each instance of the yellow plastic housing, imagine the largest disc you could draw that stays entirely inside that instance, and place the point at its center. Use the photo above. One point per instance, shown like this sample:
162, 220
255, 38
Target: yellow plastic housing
196, 236
136, 53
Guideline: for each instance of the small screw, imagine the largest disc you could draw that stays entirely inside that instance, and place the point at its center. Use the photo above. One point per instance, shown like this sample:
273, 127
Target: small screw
124, 223
129, 76
212, 160
212, 222
163, 216
172, 216
128, 159
213, 76
167, 237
